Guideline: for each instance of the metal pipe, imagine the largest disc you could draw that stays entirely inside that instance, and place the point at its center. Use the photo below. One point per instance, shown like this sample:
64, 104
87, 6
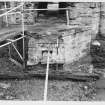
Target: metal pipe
37, 9
10, 42
18, 52
6, 15
9, 47
23, 36
10, 11
14, 13
46, 9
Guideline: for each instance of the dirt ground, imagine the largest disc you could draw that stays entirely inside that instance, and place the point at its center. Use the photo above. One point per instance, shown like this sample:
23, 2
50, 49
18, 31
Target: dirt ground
22, 90
57, 90
33, 89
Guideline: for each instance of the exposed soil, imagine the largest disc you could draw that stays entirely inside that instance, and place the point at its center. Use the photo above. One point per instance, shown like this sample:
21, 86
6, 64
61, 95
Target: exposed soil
33, 89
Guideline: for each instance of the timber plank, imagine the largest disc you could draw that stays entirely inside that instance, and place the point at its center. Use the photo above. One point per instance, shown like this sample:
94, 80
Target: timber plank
52, 75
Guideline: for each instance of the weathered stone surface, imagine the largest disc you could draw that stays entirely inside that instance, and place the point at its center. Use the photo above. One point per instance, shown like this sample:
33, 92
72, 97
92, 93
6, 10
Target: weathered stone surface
84, 17
102, 19
75, 46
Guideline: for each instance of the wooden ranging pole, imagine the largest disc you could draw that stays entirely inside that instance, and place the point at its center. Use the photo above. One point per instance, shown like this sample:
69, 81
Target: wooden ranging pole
46, 78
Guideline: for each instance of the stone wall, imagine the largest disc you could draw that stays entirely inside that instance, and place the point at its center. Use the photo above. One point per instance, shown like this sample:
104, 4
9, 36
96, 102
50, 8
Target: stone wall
29, 16
102, 21
84, 17
84, 22
38, 50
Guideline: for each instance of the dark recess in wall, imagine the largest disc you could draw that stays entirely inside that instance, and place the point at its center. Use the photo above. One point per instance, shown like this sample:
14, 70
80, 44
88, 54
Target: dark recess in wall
43, 5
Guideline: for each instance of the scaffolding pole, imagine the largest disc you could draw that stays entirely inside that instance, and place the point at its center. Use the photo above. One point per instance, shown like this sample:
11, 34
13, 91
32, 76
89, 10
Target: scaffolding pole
10, 42
10, 11
6, 15
37, 9
23, 35
15, 48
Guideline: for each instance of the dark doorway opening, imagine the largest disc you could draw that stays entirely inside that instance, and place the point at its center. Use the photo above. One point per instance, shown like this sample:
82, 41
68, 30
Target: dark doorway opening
45, 5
